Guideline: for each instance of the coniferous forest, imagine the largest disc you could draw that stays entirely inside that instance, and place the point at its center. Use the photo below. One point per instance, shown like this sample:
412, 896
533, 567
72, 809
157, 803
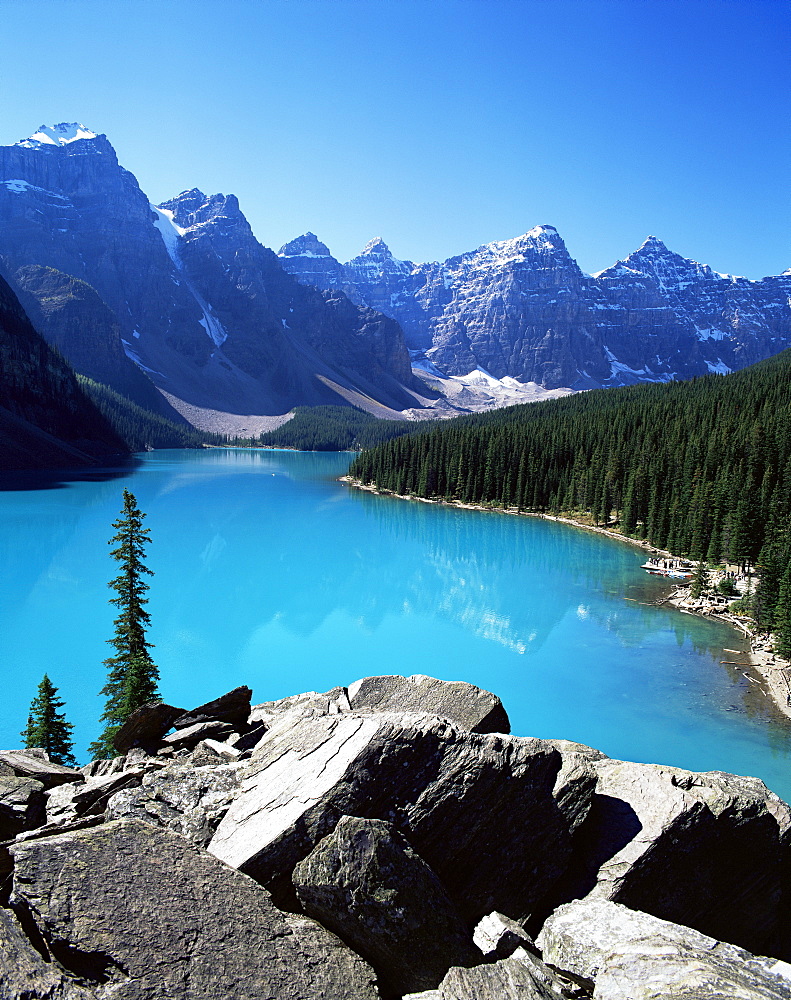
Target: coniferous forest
334, 428
140, 428
701, 468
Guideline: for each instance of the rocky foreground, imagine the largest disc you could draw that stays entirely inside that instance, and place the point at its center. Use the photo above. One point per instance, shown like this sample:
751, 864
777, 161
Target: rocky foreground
384, 840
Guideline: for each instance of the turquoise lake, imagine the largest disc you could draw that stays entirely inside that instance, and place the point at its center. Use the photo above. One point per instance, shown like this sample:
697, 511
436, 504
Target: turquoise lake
271, 573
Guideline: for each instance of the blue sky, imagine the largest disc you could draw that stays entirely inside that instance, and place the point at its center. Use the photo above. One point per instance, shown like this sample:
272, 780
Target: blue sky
436, 124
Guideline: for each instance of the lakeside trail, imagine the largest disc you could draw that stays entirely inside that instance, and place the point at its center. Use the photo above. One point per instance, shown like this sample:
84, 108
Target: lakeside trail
773, 671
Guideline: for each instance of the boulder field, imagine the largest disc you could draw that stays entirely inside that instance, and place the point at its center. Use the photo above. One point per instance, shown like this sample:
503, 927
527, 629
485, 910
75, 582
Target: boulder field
390, 839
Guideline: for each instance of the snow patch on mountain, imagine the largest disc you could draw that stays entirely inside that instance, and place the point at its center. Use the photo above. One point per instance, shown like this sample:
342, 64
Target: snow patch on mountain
17, 186
169, 232
57, 135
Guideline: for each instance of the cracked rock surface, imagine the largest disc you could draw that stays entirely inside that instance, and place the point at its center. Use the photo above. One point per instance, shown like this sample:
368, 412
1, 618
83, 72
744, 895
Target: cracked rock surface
451, 793
142, 915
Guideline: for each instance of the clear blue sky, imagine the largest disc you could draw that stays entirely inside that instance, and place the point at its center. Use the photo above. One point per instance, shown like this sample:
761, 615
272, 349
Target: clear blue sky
436, 124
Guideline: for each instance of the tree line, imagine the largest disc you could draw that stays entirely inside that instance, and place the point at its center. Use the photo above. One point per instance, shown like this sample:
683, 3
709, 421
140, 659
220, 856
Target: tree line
700, 468
331, 428
140, 428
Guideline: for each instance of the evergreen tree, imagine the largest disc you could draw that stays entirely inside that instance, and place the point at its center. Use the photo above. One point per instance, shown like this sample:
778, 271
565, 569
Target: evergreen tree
132, 674
47, 728
783, 616
701, 581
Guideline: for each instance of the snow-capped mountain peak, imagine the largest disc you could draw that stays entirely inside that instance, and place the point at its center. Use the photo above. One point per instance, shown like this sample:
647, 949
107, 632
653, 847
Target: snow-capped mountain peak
57, 135
376, 248
307, 245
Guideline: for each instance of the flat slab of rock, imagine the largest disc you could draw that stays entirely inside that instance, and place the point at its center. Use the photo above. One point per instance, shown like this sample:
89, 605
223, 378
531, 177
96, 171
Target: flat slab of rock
70, 802
509, 979
160, 918
366, 884
190, 736
21, 805
146, 726
634, 956
34, 764
233, 707
451, 793
470, 707
704, 850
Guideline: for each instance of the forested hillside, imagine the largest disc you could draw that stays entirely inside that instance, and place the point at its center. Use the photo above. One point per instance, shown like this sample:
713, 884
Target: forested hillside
141, 429
46, 420
334, 428
701, 468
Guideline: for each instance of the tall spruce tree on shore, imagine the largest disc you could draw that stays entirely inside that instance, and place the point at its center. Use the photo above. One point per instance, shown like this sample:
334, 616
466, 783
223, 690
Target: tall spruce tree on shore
47, 728
132, 674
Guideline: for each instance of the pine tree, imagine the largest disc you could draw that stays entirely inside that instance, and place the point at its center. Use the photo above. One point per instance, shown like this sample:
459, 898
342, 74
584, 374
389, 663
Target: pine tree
132, 675
47, 728
701, 581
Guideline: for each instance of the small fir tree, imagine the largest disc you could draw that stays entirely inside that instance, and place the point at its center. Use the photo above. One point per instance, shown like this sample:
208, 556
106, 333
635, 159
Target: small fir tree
47, 728
701, 581
132, 675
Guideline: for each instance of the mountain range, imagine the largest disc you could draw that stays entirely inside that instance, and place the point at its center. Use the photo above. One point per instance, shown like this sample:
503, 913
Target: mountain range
181, 309
523, 309
178, 306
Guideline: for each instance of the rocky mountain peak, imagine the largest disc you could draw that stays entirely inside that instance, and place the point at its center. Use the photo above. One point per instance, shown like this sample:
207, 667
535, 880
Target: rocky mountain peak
376, 248
669, 269
194, 208
307, 245
57, 135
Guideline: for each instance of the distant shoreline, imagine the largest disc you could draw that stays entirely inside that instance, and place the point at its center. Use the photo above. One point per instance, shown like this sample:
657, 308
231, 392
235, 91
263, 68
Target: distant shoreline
773, 670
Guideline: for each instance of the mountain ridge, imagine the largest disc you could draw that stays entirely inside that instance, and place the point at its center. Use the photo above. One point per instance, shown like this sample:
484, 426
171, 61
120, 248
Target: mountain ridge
522, 308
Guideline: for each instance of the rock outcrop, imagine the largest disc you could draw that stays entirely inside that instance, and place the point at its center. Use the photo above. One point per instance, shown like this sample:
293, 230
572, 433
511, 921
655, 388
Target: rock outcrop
686, 847
449, 792
632, 955
469, 707
405, 853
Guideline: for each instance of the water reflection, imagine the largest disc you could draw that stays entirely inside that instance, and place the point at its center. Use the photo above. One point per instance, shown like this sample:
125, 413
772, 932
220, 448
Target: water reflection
270, 572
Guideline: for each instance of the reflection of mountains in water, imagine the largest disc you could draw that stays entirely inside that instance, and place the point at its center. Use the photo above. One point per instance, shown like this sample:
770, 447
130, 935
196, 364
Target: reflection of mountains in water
568, 568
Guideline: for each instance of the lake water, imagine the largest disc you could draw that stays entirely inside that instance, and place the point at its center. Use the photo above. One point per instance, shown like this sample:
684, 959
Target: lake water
271, 573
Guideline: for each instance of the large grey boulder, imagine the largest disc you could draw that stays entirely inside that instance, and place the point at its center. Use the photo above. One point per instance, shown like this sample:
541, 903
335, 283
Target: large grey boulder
455, 796
24, 975
21, 805
708, 850
233, 707
634, 956
146, 726
366, 884
159, 918
468, 706
190, 801
37, 765
519, 977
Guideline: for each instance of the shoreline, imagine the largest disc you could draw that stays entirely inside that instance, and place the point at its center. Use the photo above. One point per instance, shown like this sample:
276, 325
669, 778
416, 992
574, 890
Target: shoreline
774, 672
